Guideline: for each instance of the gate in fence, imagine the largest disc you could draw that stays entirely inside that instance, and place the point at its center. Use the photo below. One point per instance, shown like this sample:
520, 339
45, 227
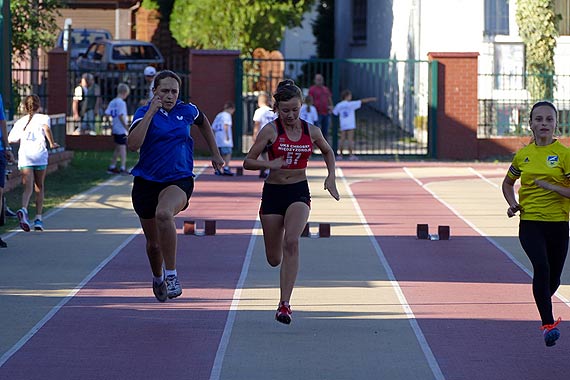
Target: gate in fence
395, 124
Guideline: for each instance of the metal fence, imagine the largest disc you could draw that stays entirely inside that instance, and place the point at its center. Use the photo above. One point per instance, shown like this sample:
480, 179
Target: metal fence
505, 102
396, 124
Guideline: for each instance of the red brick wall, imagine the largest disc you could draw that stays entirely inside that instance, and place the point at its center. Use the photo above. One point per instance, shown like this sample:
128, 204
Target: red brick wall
457, 105
212, 83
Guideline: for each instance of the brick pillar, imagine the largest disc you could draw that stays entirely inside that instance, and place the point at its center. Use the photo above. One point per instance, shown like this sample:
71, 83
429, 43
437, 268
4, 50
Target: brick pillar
212, 83
457, 105
58, 82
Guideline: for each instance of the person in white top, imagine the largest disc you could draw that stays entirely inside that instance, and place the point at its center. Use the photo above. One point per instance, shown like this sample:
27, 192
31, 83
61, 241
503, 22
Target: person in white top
262, 116
222, 127
309, 111
346, 111
149, 74
117, 109
31, 131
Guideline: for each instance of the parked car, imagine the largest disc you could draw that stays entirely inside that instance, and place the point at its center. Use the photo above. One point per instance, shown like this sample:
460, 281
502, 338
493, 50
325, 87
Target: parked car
79, 41
119, 55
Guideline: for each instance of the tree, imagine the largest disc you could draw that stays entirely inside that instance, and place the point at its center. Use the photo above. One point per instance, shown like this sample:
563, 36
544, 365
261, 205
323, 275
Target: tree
235, 24
538, 29
33, 25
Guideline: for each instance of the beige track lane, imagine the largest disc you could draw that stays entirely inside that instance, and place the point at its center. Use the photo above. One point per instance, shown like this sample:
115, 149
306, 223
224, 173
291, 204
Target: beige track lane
77, 238
479, 201
347, 320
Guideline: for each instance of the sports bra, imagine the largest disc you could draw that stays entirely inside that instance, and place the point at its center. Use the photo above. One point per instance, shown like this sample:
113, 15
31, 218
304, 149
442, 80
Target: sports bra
295, 153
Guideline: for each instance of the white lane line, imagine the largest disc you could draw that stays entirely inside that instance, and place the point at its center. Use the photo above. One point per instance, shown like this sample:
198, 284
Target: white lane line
225, 339
430, 357
480, 232
8, 354
65, 300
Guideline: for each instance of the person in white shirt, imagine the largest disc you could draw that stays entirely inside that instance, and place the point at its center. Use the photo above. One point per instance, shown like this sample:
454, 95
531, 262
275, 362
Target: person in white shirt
309, 111
346, 111
222, 127
149, 74
117, 109
262, 116
31, 131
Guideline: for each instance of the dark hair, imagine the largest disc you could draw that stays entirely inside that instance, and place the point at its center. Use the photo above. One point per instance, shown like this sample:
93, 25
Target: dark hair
345, 93
543, 103
229, 104
31, 105
287, 90
166, 74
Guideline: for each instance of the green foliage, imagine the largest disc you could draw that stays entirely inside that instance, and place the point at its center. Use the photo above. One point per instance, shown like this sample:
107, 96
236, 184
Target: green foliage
235, 24
33, 25
538, 29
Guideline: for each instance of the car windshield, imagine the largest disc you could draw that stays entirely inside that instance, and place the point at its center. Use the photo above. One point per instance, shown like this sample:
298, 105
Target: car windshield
86, 37
134, 52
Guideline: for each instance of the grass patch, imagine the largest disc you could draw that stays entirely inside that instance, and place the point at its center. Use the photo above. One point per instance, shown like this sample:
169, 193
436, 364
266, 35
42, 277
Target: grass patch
87, 169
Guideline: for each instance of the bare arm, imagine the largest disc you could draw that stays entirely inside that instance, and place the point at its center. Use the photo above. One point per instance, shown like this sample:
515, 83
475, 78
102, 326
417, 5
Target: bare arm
328, 155
508, 188
137, 135
49, 136
368, 100
265, 136
562, 190
206, 131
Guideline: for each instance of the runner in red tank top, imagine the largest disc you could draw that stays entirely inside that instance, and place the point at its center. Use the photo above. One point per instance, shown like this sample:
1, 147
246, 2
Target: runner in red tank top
286, 200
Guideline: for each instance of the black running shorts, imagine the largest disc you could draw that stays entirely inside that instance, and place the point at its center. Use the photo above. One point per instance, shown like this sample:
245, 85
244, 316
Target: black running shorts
145, 194
275, 199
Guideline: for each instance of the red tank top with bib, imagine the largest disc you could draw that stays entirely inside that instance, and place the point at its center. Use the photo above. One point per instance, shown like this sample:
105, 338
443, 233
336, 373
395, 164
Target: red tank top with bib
295, 153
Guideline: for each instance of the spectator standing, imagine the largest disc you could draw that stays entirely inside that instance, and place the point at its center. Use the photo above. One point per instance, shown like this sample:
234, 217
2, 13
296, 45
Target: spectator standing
5, 156
346, 111
222, 127
322, 98
149, 74
262, 116
31, 131
309, 112
86, 104
117, 109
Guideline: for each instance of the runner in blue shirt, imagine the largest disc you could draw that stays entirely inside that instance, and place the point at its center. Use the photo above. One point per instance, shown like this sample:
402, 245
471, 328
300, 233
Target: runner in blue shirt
164, 177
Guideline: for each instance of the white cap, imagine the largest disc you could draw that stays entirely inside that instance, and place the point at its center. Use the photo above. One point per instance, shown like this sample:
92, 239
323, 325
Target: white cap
149, 71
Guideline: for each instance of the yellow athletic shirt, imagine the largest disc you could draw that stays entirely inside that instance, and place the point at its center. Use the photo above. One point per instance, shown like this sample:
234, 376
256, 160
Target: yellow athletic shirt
549, 163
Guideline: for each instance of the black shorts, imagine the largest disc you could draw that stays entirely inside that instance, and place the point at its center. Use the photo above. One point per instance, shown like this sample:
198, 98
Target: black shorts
145, 194
275, 199
120, 139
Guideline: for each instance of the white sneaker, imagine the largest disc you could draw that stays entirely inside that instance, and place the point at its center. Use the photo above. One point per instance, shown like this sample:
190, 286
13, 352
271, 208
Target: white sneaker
23, 219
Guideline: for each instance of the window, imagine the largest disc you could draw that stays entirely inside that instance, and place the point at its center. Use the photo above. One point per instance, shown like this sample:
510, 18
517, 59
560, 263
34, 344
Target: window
496, 17
562, 10
359, 21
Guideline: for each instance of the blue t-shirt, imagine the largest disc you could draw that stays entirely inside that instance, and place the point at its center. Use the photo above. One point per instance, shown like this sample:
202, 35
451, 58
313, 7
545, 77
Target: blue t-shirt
167, 150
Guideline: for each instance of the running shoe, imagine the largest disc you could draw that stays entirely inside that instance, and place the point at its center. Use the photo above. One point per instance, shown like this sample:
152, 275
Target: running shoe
284, 312
217, 172
23, 219
3, 244
160, 291
38, 225
228, 172
551, 333
10, 213
339, 157
173, 286
352, 157
124, 172
113, 170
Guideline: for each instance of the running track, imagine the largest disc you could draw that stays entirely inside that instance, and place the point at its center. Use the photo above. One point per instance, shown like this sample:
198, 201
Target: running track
371, 302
